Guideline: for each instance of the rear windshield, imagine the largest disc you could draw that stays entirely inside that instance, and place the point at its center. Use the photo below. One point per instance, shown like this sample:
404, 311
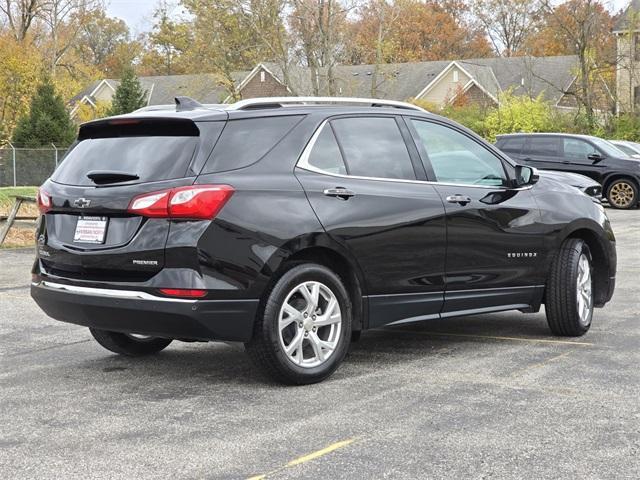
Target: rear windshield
151, 158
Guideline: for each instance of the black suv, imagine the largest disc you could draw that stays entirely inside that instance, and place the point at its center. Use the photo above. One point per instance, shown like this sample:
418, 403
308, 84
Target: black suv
293, 227
594, 157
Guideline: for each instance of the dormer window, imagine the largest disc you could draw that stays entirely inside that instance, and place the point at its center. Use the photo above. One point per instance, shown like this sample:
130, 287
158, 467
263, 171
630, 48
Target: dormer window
456, 77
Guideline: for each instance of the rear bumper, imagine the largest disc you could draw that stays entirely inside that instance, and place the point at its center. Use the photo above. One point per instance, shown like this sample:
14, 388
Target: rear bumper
139, 312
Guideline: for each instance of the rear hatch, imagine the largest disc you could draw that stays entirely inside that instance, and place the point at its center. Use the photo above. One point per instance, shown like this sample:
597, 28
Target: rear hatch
88, 232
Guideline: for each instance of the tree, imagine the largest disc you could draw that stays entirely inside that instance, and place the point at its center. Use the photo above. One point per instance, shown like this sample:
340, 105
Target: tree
508, 23
47, 122
166, 43
320, 26
129, 95
100, 40
21, 14
416, 31
222, 43
582, 28
19, 71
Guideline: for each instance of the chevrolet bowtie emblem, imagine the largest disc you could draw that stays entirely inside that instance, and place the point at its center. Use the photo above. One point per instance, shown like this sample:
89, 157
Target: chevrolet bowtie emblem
81, 203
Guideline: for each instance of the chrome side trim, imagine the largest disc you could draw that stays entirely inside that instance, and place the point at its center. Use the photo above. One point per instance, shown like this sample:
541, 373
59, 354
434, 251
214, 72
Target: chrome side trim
303, 163
105, 292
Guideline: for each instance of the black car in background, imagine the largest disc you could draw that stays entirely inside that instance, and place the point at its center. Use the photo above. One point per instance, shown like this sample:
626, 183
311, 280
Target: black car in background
618, 173
293, 226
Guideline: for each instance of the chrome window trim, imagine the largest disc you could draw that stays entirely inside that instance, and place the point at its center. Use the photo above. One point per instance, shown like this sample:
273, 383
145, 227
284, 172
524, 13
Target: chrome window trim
303, 163
105, 292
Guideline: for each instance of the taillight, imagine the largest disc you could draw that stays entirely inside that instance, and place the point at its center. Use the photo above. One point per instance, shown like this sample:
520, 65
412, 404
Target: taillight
195, 201
183, 292
44, 201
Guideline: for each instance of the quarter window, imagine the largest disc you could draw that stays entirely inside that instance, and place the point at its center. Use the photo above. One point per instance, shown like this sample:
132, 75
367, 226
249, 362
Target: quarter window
456, 158
325, 154
374, 147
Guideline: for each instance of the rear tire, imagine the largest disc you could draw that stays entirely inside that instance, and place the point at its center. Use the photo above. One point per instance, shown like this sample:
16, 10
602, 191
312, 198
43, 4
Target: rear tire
622, 194
303, 330
128, 344
569, 296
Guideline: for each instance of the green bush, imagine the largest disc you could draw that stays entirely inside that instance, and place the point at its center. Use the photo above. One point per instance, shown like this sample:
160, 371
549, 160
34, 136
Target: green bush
519, 114
624, 127
472, 116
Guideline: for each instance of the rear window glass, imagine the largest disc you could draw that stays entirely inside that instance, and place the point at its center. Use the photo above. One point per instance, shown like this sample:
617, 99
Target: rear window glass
244, 142
545, 146
150, 158
511, 145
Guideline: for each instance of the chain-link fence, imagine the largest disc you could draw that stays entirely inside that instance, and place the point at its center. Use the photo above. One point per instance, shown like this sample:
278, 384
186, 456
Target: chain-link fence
28, 166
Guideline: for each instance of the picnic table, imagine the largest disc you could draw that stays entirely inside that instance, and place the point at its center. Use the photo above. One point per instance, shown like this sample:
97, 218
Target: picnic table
19, 200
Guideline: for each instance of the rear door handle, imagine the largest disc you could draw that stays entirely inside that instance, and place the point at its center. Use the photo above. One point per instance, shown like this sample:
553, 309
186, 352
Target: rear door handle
339, 192
460, 199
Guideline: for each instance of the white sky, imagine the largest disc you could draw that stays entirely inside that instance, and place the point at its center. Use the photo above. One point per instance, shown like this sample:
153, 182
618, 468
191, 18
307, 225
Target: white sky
138, 13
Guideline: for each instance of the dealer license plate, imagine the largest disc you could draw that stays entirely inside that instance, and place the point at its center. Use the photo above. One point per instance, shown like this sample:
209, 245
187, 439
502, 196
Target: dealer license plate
90, 230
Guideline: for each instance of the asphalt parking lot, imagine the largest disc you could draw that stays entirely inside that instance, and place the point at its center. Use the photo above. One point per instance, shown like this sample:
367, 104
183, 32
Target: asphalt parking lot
492, 396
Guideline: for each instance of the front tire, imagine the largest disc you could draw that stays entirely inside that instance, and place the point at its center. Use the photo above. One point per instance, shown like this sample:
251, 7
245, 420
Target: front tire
569, 297
302, 332
131, 345
622, 194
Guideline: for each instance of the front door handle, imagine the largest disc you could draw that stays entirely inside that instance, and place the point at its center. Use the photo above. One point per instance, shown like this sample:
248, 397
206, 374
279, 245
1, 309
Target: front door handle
460, 199
339, 192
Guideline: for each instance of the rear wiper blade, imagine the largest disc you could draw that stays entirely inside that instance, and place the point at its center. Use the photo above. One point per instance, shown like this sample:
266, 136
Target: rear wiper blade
109, 176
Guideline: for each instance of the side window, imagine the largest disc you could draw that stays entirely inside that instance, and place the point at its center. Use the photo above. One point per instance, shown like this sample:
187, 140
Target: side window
374, 147
577, 149
511, 145
545, 146
456, 158
325, 154
244, 142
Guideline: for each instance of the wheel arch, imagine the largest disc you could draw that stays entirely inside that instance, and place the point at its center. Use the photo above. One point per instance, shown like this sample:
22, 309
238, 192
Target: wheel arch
599, 258
324, 251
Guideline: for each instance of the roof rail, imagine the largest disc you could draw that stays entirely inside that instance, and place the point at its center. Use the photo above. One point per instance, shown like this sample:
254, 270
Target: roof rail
275, 102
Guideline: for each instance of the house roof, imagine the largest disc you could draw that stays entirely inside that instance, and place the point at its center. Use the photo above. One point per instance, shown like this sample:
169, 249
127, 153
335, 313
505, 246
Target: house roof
162, 89
623, 22
549, 76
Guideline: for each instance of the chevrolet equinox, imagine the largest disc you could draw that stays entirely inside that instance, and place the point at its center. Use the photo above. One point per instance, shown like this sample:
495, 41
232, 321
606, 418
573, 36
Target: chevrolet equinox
293, 224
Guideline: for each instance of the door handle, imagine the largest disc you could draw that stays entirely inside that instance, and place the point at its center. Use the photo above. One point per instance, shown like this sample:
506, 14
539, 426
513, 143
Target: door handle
460, 199
339, 192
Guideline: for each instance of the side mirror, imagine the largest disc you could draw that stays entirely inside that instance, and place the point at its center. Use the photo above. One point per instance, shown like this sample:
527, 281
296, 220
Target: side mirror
595, 157
525, 175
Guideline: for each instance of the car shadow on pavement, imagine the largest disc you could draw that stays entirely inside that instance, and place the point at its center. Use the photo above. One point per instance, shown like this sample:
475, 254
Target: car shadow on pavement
189, 369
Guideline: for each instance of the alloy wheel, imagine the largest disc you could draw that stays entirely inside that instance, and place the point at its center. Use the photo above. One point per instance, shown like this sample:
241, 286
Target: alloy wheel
309, 324
584, 290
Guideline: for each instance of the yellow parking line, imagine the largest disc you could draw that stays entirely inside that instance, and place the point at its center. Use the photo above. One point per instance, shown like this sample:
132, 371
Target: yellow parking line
494, 337
308, 457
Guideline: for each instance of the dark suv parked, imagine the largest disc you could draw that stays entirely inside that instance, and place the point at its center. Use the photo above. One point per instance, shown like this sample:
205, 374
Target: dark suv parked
293, 227
618, 173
